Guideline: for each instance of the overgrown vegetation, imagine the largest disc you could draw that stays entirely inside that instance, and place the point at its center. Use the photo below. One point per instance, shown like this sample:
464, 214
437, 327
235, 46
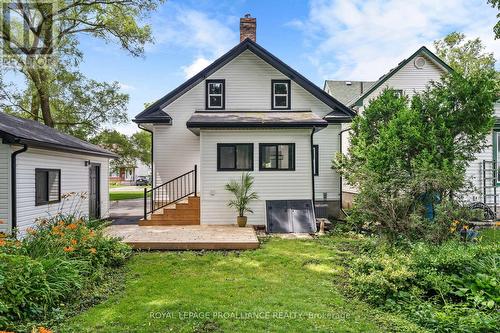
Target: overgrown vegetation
451, 287
408, 156
56, 268
285, 286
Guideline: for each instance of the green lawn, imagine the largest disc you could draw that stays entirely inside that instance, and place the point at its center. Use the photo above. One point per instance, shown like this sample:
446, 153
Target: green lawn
285, 286
125, 195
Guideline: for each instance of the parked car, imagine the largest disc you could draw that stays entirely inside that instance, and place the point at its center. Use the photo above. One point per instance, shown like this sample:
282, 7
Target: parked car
142, 181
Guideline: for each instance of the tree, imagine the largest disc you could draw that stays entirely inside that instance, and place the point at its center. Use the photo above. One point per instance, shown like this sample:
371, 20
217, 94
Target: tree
54, 26
464, 56
119, 144
407, 154
79, 106
142, 145
496, 28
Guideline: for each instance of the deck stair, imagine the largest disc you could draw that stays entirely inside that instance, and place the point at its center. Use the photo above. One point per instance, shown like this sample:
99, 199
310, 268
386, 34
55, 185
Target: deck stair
185, 212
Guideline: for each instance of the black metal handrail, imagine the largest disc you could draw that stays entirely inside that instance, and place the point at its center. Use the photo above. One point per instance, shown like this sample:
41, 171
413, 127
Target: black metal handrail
170, 192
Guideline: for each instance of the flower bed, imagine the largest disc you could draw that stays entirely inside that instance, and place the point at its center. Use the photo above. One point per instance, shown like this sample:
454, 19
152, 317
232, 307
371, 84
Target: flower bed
58, 260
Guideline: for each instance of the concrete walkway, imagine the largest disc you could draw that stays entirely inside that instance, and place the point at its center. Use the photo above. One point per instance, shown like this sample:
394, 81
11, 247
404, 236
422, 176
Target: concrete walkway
191, 237
126, 212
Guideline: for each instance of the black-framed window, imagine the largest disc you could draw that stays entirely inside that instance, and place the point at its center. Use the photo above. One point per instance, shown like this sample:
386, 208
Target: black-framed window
47, 186
235, 157
277, 156
215, 94
399, 92
280, 94
316, 160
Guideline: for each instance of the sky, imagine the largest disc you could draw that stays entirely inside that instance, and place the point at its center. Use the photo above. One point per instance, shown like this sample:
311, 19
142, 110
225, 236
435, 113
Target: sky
321, 39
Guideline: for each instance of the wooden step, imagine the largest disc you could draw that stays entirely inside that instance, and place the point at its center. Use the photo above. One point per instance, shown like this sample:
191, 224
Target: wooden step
185, 212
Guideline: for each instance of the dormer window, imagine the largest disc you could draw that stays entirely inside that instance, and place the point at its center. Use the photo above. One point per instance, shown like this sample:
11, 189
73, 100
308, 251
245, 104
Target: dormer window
215, 94
280, 94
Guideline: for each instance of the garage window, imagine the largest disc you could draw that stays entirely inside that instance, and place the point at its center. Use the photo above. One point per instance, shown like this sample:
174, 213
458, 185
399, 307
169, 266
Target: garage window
277, 156
235, 157
47, 186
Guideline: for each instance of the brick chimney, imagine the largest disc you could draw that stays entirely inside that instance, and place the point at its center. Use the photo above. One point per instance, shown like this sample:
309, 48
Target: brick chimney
248, 28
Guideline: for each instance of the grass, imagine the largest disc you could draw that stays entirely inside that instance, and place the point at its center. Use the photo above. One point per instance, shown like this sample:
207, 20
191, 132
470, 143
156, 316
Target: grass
125, 195
285, 286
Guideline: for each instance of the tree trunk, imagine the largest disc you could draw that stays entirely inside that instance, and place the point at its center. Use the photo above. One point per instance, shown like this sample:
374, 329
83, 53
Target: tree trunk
35, 105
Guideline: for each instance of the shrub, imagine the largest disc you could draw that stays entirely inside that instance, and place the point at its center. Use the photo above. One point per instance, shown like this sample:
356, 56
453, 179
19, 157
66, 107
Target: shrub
447, 287
57, 261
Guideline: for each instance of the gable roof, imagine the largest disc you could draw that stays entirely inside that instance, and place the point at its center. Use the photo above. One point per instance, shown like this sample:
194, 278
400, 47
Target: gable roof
345, 90
265, 55
14, 130
385, 77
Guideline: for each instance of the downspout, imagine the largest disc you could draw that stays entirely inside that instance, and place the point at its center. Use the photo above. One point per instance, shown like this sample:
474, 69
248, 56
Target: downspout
13, 183
312, 168
340, 176
152, 138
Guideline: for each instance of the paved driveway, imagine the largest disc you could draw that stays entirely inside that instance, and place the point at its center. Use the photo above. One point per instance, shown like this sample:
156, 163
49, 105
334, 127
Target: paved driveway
126, 211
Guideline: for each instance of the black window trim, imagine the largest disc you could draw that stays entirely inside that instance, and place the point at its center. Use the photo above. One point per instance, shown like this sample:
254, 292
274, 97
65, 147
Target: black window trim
207, 104
220, 145
288, 82
316, 160
41, 203
291, 158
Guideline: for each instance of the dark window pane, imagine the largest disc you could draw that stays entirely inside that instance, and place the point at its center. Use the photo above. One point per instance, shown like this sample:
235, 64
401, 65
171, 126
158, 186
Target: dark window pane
215, 88
53, 185
41, 186
281, 88
243, 157
269, 157
283, 156
226, 157
316, 160
215, 101
280, 101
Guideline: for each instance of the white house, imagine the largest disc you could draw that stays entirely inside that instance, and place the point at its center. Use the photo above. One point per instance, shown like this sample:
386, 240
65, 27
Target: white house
410, 76
43, 172
247, 111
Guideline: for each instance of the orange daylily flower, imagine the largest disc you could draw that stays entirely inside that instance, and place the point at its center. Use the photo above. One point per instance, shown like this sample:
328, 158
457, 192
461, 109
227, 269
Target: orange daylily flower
2, 242
44, 330
92, 233
69, 249
93, 250
74, 242
72, 226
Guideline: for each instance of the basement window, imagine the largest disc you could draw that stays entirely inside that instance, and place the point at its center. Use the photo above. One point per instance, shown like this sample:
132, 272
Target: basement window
235, 157
47, 186
215, 94
277, 156
280, 94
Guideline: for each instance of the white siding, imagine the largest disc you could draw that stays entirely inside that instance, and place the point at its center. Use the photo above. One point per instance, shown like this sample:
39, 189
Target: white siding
474, 172
248, 87
269, 185
74, 178
5, 203
410, 79
328, 179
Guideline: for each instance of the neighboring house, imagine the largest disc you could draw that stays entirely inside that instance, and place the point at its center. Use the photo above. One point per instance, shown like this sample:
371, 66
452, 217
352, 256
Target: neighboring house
129, 174
411, 76
43, 172
248, 111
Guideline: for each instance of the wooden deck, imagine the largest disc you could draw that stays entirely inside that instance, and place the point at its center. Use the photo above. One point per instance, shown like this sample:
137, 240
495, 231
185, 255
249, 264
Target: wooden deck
189, 237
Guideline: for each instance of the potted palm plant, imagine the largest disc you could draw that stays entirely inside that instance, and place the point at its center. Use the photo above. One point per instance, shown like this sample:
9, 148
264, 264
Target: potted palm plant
242, 196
